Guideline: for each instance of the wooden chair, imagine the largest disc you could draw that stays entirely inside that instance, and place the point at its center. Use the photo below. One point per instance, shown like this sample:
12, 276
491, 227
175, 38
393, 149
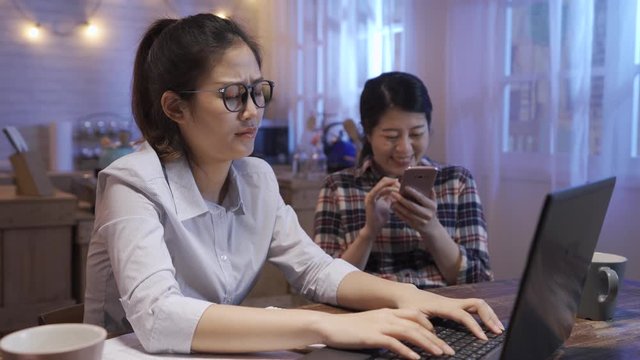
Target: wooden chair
70, 314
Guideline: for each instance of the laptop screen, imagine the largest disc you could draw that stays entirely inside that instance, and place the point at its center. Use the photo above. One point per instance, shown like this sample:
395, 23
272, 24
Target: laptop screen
550, 289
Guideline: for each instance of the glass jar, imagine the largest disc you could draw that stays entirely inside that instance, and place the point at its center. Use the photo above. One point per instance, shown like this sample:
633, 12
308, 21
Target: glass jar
300, 164
317, 169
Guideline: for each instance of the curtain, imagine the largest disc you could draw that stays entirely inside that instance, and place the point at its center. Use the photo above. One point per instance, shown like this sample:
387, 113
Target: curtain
474, 94
552, 83
543, 95
327, 49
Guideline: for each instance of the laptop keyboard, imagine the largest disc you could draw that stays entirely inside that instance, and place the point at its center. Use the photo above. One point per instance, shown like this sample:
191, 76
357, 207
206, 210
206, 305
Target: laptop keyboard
465, 344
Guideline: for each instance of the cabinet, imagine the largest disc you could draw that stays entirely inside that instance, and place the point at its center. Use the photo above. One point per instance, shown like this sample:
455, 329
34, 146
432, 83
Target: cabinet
36, 236
301, 195
81, 239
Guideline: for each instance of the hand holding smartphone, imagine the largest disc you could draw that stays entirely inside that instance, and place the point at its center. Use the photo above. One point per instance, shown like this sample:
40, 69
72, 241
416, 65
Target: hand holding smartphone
420, 178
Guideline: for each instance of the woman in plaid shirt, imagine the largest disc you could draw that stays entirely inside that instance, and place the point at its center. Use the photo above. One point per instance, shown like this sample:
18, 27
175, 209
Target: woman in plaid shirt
436, 240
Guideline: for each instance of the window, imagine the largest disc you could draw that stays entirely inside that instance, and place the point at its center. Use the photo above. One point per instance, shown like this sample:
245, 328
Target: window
555, 99
341, 44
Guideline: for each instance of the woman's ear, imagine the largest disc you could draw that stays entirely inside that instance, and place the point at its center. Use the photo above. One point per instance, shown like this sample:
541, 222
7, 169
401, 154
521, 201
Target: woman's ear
173, 106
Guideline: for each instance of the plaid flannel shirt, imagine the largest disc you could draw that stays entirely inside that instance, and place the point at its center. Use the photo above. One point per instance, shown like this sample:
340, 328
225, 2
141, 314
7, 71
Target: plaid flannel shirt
398, 252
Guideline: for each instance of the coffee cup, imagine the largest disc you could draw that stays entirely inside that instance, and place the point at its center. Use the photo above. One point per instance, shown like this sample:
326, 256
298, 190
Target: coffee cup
600, 291
54, 342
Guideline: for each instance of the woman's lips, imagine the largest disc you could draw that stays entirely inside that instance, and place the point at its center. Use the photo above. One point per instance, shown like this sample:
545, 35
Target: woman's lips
248, 132
404, 162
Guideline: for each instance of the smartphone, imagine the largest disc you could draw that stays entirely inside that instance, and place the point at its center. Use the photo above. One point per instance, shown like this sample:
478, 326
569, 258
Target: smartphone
420, 178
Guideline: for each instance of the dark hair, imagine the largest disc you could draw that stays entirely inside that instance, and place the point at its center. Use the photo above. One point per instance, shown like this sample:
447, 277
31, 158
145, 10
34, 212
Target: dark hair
175, 55
391, 90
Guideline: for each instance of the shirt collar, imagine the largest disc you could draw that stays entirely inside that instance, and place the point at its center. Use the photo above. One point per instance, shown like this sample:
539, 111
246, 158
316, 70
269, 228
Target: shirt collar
186, 196
233, 200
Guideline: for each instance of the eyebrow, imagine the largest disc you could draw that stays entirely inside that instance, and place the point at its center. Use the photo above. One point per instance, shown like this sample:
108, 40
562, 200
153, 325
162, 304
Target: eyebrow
419, 127
252, 81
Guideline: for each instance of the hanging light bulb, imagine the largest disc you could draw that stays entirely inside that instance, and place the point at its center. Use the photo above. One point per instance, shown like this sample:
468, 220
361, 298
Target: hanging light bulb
221, 14
33, 31
91, 30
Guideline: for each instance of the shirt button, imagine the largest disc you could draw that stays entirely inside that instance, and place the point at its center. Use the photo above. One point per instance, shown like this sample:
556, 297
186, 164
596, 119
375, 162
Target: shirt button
223, 257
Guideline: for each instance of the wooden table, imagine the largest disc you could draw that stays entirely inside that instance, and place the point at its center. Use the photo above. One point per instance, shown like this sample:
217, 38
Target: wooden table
615, 339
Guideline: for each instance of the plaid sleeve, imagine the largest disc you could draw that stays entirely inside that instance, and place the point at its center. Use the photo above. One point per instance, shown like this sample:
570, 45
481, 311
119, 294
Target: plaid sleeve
471, 232
328, 229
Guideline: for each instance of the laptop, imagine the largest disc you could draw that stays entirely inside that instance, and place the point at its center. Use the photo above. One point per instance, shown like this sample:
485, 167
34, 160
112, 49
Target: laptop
549, 294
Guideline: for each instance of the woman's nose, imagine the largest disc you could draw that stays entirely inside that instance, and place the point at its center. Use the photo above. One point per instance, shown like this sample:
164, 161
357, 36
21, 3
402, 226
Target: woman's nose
250, 110
404, 144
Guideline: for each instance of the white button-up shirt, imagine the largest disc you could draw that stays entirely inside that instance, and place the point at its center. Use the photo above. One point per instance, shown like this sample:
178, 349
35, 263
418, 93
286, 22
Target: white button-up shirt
160, 254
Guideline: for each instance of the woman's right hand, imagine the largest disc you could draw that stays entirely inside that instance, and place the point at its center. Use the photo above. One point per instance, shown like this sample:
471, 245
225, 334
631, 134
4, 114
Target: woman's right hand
378, 204
383, 328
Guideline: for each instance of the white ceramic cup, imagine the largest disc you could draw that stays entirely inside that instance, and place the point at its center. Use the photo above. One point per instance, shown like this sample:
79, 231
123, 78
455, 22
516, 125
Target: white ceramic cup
603, 281
55, 342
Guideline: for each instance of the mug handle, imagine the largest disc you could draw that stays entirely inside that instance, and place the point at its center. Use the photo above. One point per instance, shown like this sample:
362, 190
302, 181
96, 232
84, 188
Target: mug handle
612, 284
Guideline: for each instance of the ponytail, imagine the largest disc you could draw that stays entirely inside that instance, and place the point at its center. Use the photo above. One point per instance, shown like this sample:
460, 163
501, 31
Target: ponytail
143, 106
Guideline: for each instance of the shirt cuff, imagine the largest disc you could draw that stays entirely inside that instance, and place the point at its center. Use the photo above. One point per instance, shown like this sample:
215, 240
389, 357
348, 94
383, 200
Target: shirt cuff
174, 322
334, 273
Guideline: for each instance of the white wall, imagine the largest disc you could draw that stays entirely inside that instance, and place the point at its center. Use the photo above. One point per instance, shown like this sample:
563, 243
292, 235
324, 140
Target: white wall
63, 77
516, 212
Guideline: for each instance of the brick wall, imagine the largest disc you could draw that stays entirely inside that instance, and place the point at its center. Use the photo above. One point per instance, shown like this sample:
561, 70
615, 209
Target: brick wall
66, 76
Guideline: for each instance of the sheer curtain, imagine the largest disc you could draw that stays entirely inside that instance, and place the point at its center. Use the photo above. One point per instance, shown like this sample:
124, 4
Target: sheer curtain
326, 50
474, 82
542, 95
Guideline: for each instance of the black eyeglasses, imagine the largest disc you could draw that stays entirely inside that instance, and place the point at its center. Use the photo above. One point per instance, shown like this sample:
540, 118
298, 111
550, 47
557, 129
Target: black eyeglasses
234, 96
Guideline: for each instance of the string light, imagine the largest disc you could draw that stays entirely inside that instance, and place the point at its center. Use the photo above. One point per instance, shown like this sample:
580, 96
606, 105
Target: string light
34, 32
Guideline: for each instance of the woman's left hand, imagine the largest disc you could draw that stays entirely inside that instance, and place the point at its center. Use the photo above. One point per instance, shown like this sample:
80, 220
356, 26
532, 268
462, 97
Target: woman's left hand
419, 211
459, 310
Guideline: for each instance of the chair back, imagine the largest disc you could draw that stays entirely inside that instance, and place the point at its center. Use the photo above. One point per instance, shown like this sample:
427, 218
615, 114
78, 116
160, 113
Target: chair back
69, 314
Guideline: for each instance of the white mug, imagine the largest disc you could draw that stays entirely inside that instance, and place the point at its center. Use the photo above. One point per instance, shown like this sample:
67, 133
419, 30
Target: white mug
600, 291
55, 342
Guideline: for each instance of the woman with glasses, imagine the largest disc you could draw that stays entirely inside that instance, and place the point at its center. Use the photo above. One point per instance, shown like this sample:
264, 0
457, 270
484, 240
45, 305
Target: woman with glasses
433, 239
184, 224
